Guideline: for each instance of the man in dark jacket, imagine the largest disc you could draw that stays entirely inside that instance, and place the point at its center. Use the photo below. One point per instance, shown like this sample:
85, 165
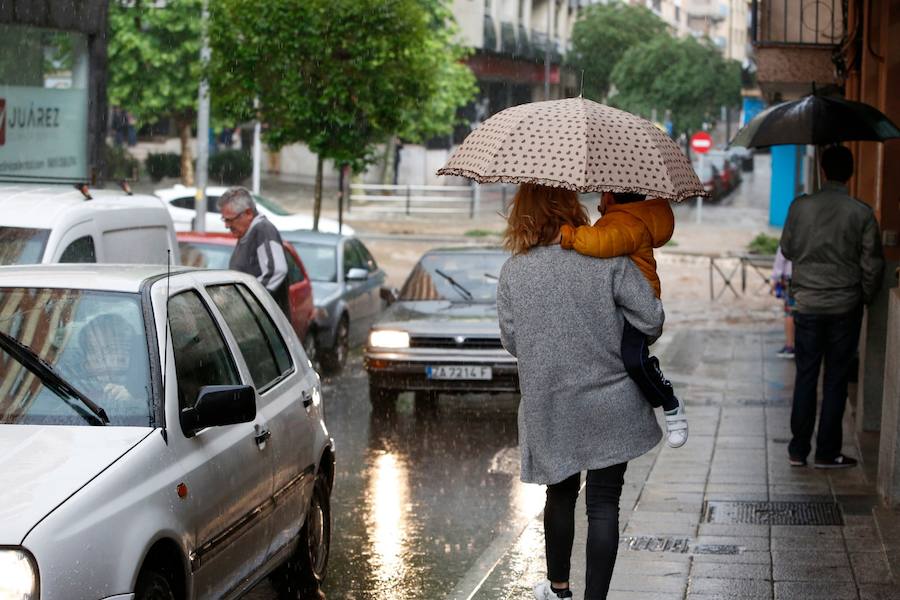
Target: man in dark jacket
259, 250
834, 243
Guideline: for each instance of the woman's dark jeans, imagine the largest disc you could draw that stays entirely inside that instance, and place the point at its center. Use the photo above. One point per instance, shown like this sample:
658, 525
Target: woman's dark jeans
604, 488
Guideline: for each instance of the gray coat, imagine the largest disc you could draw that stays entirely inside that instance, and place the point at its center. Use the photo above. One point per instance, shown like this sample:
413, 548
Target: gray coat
562, 314
833, 240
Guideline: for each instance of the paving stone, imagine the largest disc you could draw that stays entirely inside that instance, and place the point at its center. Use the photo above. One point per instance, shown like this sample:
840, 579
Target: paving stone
622, 595
824, 531
879, 592
738, 589
718, 529
810, 590
670, 584
761, 572
870, 567
651, 565
827, 544
809, 557
789, 571
750, 557
747, 542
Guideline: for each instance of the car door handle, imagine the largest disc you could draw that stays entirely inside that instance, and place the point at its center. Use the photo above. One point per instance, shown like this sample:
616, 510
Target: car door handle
307, 399
262, 436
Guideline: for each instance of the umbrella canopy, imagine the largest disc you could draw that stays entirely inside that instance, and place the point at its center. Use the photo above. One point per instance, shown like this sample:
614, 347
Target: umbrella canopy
817, 120
578, 145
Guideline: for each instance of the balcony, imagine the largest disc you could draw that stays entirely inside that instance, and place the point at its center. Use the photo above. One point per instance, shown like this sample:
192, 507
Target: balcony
490, 34
791, 23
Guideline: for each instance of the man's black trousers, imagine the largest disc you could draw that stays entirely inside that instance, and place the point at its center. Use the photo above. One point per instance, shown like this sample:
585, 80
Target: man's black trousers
832, 338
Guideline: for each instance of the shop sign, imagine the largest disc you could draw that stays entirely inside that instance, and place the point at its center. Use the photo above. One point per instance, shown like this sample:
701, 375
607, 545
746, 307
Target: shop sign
43, 134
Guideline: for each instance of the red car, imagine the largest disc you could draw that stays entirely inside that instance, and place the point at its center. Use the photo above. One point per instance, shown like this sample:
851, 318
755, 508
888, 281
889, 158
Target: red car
213, 251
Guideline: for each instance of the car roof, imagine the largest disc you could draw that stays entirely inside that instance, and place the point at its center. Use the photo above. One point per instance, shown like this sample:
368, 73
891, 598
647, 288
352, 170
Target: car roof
104, 277
40, 206
314, 237
468, 250
181, 191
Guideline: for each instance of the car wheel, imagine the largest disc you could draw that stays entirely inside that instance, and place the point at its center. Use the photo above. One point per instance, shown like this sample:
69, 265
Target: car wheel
309, 346
302, 575
333, 360
152, 585
380, 397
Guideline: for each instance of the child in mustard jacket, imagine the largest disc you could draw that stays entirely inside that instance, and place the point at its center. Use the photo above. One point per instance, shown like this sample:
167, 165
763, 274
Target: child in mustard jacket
633, 226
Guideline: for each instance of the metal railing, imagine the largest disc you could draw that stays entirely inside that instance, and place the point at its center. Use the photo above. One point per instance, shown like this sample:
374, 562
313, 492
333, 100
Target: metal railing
410, 199
797, 23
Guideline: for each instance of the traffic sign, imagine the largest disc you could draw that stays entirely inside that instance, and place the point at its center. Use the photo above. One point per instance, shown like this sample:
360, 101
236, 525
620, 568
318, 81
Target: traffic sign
701, 142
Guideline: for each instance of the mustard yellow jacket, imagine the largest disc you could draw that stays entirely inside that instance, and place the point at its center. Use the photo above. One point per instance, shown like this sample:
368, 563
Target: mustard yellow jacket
633, 229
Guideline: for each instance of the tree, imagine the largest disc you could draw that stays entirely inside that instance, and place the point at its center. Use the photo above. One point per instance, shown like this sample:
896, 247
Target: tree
154, 65
602, 35
339, 75
688, 77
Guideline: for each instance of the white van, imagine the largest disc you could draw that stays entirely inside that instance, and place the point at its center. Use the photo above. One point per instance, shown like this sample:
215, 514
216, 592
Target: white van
58, 224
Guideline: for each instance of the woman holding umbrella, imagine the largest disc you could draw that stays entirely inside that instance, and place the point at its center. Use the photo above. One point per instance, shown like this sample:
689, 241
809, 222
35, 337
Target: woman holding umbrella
562, 314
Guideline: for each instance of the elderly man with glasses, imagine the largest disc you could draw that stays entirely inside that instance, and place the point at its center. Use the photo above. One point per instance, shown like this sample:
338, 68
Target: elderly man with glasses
259, 250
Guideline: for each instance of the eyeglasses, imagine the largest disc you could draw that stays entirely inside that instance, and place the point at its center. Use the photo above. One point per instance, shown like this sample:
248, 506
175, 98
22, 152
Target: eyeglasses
230, 220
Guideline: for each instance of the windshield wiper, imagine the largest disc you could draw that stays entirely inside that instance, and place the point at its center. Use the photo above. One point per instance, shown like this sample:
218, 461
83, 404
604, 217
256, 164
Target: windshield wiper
456, 285
490, 276
53, 380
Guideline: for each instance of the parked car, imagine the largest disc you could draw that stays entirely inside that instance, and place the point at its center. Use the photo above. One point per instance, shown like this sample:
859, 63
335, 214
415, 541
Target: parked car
442, 334
160, 437
58, 224
213, 251
181, 201
348, 288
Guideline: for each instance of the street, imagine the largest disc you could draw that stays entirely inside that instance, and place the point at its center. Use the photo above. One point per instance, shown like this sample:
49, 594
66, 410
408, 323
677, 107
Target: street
420, 493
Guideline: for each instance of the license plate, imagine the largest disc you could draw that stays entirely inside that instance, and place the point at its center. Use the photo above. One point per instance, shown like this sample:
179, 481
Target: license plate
457, 372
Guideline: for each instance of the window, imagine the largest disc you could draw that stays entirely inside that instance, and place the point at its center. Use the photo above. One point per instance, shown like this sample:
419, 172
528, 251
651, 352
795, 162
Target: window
79, 251
295, 273
188, 202
352, 257
138, 245
263, 348
366, 256
22, 246
201, 355
205, 256
320, 260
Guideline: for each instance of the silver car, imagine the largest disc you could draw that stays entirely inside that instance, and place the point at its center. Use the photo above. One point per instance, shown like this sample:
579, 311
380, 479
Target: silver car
348, 290
160, 437
442, 334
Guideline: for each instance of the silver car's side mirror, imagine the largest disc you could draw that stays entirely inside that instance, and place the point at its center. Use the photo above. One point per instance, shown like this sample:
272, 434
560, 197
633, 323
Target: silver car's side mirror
219, 405
357, 274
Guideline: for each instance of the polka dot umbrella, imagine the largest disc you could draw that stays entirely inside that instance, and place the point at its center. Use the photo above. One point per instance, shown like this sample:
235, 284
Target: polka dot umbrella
576, 144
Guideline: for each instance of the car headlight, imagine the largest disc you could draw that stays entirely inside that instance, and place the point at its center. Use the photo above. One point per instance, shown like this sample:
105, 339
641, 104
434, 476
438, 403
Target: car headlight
388, 338
18, 575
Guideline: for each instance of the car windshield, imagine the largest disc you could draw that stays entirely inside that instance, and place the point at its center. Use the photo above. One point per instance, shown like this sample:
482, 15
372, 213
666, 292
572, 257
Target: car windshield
271, 206
205, 256
94, 340
455, 276
320, 260
22, 245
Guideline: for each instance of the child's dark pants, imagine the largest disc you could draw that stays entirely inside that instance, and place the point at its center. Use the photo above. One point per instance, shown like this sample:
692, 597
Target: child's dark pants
644, 369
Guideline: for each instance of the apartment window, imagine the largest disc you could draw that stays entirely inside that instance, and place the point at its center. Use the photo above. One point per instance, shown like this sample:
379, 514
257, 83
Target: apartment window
487, 6
678, 14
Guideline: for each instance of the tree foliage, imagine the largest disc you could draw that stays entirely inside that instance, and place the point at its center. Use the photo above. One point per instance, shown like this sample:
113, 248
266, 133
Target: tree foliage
339, 75
602, 35
154, 63
685, 76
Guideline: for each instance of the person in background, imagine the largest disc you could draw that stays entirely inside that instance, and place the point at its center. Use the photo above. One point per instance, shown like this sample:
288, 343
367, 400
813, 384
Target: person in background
781, 288
562, 314
833, 241
259, 250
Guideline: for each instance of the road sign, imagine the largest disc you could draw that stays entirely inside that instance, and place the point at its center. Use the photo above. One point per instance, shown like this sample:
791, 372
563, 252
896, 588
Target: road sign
701, 142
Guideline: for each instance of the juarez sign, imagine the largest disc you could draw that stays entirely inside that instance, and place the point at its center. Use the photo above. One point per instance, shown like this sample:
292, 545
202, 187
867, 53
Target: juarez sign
43, 134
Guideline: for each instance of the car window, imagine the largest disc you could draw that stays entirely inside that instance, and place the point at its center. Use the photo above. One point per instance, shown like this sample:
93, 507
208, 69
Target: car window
366, 256
79, 251
320, 260
22, 245
189, 203
272, 206
352, 257
201, 354
95, 341
262, 348
295, 273
476, 275
205, 256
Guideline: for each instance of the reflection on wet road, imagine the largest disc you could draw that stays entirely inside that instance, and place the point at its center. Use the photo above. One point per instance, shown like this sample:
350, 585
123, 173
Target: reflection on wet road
421, 491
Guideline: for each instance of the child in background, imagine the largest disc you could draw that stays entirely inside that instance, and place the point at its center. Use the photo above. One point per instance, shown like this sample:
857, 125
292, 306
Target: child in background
633, 226
781, 287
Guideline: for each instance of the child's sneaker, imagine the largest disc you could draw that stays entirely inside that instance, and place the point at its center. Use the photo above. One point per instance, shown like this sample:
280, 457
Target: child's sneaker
542, 591
676, 427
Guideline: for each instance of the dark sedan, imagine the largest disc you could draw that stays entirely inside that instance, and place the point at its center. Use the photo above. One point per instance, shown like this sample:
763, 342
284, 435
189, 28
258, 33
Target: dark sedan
442, 335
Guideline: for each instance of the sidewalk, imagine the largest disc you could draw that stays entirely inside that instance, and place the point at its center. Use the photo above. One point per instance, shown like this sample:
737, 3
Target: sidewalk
688, 528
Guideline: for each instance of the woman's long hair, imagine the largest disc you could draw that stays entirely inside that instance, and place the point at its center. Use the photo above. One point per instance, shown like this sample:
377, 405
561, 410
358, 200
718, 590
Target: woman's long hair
537, 214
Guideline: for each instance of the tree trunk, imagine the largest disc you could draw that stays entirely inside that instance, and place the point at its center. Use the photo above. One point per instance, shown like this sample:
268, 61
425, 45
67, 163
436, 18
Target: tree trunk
388, 166
342, 189
187, 159
317, 201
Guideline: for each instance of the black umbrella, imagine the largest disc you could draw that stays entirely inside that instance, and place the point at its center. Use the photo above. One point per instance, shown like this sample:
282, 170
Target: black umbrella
818, 120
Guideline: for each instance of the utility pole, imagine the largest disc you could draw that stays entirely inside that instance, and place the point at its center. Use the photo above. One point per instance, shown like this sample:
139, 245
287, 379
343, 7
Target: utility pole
203, 128
550, 7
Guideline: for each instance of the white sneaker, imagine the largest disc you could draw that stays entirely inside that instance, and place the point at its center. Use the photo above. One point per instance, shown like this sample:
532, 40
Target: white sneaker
542, 591
676, 428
